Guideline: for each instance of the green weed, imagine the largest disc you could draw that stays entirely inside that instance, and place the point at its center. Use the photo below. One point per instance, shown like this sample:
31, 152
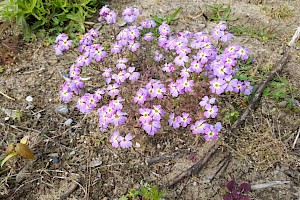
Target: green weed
263, 34
146, 191
279, 89
55, 15
220, 13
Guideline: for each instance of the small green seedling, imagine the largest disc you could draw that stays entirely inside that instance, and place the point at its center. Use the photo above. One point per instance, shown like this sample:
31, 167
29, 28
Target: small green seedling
168, 19
220, 13
145, 192
20, 149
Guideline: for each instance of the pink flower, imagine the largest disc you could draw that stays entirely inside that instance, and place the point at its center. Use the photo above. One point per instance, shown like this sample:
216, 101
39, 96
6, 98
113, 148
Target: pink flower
114, 139
211, 111
125, 142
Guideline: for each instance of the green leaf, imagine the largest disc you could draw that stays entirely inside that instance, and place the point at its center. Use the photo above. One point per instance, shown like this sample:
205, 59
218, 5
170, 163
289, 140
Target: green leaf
123, 198
173, 15
157, 19
7, 158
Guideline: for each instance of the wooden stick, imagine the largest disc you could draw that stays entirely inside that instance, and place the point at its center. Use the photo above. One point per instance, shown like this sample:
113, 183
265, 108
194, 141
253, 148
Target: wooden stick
7, 96
197, 167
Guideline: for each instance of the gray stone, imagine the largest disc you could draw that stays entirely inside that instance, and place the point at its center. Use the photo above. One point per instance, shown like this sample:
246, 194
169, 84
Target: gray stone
62, 109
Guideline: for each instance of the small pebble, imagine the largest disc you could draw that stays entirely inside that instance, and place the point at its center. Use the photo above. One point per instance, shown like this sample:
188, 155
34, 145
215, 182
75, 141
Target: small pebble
68, 122
30, 107
29, 98
55, 159
38, 116
62, 109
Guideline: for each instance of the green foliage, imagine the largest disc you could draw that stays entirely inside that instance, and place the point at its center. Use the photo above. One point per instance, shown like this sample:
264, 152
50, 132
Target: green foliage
168, 19
263, 34
146, 192
160, 19
279, 88
231, 116
151, 192
55, 15
220, 13
1, 69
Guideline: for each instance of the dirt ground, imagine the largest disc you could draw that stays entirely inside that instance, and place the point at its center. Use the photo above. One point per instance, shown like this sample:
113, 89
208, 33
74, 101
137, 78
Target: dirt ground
66, 156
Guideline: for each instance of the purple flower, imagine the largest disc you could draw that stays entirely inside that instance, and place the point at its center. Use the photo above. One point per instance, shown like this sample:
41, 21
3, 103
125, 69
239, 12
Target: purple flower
157, 56
243, 53
185, 119
61, 37
116, 48
141, 96
205, 100
164, 29
148, 36
181, 60
211, 134
133, 75
218, 126
114, 139
98, 94
133, 46
157, 112
185, 85
247, 88
174, 90
99, 54
146, 115
174, 121
196, 67
211, 111
151, 127
113, 90
111, 17
217, 85
133, 33
199, 127
65, 94
125, 142
118, 118
184, 73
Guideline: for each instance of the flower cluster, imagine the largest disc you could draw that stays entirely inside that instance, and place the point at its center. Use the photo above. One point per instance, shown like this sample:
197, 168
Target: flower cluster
130, 14
117, 140
209, 131
190, 63
62, 43
178, 121
150, 118
112, 114
220, 33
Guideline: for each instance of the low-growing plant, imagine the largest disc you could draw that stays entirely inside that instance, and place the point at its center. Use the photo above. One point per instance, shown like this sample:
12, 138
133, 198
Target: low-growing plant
280, 89
20, 149
174, 81
146, 192
54, 15
233, 191
263, 34
220, 13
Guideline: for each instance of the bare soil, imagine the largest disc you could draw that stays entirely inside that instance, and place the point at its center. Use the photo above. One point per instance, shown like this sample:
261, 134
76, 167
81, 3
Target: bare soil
260, 152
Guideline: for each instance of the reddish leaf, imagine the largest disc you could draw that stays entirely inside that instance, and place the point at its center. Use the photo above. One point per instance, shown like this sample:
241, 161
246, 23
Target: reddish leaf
231, 185
246, 187
24, 151
228, 197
